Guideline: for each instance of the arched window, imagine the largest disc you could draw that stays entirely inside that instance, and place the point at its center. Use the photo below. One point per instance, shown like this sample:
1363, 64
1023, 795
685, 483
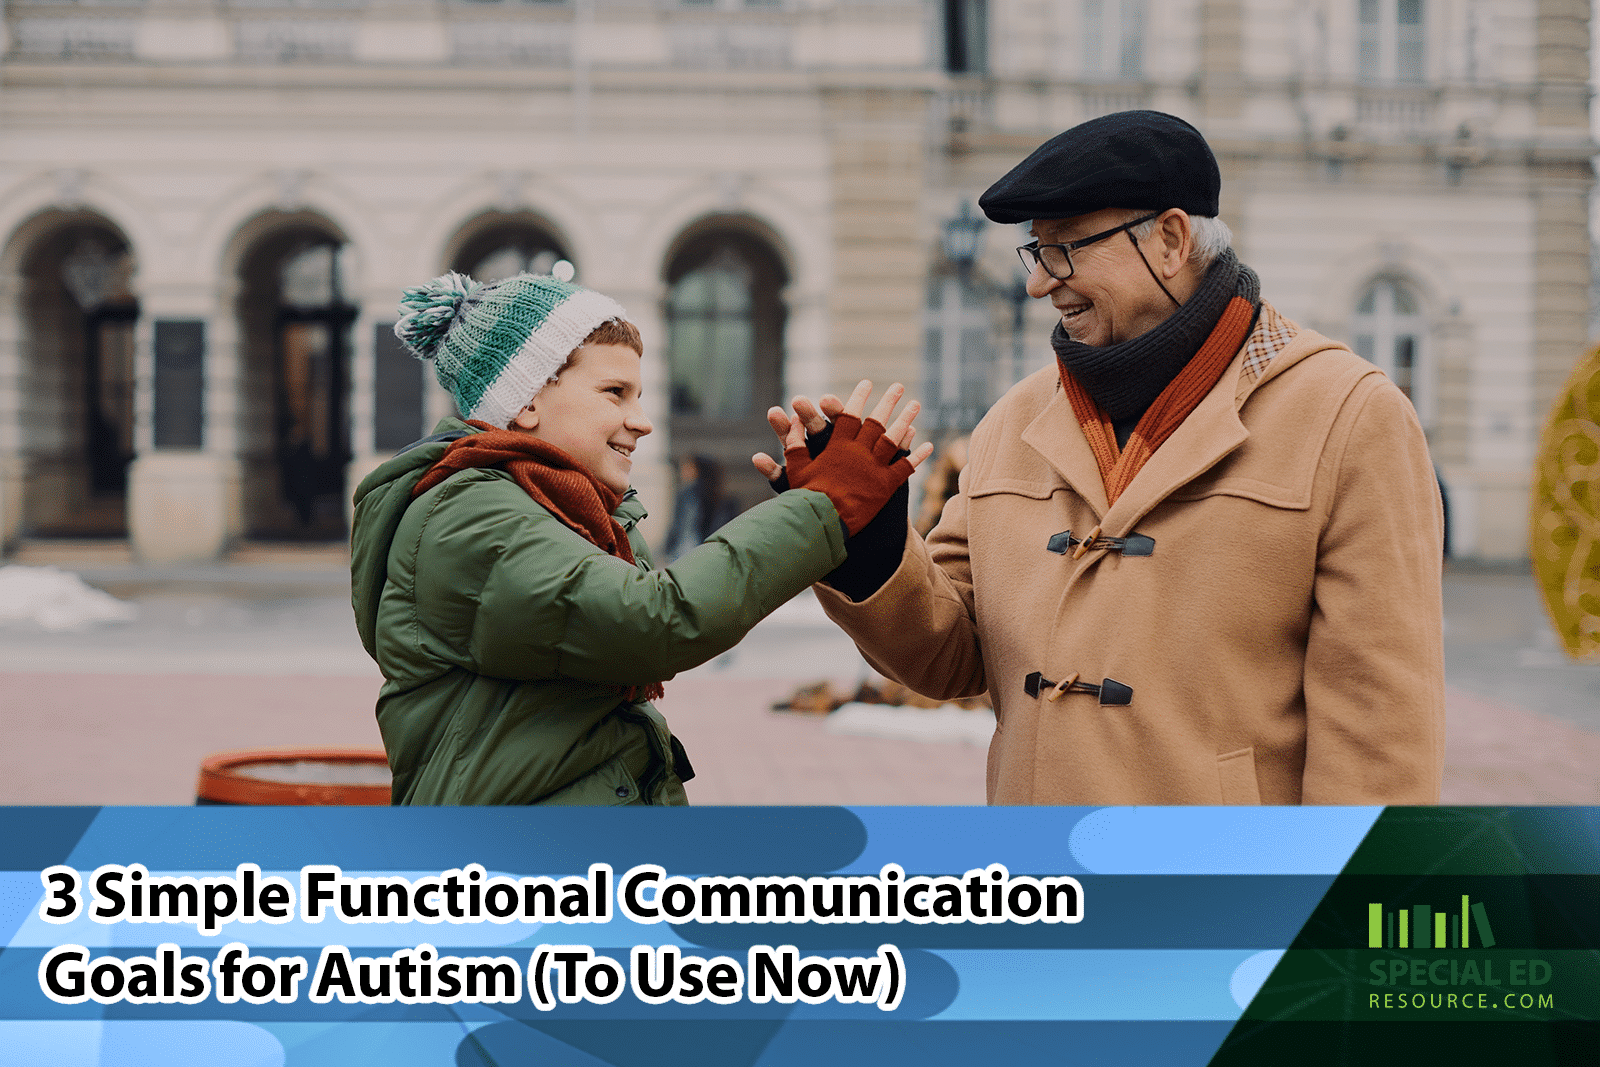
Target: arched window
506, 245
1389, 329
712, 314
1391, 45
957, 356
724, 317
966, 36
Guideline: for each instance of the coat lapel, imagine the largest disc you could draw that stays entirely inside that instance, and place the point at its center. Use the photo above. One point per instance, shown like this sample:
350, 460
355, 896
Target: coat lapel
1056, 435
1211, 431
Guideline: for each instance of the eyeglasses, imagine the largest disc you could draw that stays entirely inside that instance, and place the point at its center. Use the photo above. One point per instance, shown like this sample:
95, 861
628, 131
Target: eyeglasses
1057, 259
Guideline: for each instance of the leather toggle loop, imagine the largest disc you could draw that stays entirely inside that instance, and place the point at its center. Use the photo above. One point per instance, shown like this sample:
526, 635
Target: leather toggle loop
1111, 692
1134, 544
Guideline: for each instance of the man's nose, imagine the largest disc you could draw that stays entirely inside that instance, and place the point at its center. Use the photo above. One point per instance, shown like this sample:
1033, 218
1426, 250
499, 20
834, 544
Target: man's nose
1041, 283
639, 422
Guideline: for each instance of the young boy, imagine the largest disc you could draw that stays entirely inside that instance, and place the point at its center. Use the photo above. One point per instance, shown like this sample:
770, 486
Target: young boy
498, 577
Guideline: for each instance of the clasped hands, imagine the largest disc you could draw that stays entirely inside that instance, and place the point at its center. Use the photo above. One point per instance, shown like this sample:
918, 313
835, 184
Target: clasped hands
860, 462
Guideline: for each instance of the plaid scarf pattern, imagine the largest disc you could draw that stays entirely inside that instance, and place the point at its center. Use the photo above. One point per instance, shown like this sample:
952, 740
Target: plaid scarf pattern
1183, 394
1272, 334
556, 482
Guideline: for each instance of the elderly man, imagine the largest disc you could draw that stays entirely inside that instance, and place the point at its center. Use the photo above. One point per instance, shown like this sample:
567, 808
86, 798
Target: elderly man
1197, 559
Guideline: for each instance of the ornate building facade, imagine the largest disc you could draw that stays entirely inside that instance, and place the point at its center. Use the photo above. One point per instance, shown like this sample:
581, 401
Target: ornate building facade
208, 209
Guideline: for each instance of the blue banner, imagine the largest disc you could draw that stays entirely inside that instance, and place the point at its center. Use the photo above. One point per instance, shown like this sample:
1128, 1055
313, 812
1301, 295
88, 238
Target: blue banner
768, 937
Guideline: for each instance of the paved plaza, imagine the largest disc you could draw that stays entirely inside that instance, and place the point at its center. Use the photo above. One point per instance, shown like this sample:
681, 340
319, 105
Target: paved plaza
224, 658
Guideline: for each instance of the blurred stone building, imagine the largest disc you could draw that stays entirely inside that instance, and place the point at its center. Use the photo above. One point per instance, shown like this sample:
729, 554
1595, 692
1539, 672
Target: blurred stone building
208, 209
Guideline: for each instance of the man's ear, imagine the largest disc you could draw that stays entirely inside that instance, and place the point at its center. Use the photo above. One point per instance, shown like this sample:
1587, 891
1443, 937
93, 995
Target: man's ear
527, 419
1177, 239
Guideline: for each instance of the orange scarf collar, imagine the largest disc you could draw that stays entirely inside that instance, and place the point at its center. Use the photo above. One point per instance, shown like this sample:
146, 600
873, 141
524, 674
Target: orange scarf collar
1183, 394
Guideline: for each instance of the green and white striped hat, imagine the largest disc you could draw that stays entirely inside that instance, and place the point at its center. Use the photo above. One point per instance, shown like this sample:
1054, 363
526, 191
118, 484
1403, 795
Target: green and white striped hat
494, 345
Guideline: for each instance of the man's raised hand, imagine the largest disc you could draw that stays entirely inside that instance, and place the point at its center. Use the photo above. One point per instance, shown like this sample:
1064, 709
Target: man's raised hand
860, 465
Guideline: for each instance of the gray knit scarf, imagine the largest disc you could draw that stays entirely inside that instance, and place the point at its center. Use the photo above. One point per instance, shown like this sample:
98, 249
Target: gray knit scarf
1125, 378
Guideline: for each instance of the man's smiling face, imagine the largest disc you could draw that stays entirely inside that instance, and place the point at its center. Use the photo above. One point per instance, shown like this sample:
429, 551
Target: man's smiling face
1111, 296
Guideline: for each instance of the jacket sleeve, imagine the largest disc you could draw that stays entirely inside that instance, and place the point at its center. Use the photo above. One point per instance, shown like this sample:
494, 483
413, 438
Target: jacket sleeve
552, 605
920, 627
1374, 668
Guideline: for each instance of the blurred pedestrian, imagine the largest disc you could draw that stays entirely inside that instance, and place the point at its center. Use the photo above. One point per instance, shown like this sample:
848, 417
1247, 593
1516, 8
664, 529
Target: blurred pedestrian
943, 482
701, 507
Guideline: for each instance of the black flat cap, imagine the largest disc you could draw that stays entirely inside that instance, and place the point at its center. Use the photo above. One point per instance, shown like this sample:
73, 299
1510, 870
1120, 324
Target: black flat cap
1131, 159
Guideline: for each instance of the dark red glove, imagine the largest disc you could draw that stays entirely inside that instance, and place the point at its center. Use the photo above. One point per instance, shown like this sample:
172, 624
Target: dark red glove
857, 470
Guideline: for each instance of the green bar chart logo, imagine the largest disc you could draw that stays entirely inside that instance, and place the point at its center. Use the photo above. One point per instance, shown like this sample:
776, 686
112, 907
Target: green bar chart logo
1424, 926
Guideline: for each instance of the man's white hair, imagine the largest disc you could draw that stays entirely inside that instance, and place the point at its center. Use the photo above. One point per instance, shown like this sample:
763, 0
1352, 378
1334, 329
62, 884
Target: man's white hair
1211, 237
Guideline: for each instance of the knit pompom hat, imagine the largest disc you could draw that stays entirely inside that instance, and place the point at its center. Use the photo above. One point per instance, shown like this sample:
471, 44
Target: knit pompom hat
494, 345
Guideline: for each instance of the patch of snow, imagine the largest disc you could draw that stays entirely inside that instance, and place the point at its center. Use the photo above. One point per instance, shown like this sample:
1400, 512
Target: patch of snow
57, 600
947, 723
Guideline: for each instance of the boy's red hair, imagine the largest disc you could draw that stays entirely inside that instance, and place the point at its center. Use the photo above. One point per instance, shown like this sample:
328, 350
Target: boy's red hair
615, 332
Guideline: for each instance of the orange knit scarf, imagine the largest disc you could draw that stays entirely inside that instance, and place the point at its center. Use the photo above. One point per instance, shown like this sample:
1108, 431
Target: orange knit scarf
1181, 396
556, 482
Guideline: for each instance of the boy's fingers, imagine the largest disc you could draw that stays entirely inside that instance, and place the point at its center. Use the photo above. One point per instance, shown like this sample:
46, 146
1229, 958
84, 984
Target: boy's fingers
858, 399
767, 466
886, 403
910, 435
778, 419
922, 453
806, 410
796, 437
832, 406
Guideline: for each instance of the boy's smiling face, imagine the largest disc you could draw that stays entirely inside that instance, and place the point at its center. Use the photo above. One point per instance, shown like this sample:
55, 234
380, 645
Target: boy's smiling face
592, 412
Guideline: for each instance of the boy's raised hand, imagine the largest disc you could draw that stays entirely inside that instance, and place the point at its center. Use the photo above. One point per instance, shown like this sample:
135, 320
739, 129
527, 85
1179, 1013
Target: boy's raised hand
812, 419
857, 468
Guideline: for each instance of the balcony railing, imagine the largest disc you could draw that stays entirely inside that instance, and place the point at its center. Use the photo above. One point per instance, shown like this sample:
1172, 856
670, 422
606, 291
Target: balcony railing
73, 38
1395, 108
1097, 100
290, 41
531, 44
746, 35
719, 45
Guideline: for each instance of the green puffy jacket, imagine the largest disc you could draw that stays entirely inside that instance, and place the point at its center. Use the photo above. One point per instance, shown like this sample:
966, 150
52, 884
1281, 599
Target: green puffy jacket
505, 639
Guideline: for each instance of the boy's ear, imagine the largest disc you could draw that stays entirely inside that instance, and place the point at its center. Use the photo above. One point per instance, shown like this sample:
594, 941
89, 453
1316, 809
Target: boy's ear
527, 419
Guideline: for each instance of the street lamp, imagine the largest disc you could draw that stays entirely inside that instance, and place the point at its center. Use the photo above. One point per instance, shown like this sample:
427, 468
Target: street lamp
963, 239
1018, 294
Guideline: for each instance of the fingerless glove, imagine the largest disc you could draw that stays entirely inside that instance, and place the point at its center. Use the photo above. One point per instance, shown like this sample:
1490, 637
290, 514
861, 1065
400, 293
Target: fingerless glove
857, 470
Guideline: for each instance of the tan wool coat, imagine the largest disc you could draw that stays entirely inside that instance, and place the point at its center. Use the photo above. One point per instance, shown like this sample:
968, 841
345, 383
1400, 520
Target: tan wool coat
1283, 640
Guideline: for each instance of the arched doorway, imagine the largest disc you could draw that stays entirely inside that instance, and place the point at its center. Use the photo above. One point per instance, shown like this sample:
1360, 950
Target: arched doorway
725, 320
295, 320
78, 313
498, 245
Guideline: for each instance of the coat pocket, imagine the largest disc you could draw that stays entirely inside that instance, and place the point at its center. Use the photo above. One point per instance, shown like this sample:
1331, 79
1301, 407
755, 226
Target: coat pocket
1236, 772
608, 785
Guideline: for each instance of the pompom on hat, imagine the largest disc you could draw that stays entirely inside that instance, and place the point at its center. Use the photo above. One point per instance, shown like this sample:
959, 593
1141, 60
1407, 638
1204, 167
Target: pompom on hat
494, 345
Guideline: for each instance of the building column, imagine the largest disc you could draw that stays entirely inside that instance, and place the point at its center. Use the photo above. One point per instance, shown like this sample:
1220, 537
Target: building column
1562, 179
877, 147
183, 485
11, 458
